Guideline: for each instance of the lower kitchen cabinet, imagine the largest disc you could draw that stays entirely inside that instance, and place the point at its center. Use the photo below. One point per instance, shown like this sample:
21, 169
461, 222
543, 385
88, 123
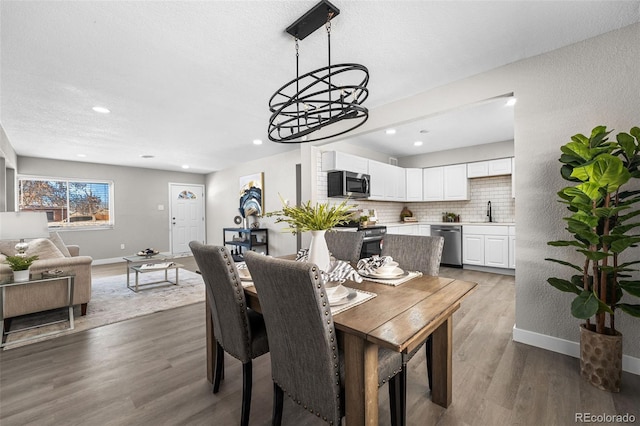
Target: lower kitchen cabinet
487, 246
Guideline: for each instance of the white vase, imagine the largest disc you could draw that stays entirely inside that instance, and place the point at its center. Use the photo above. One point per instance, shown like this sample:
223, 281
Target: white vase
21, 276
318, 250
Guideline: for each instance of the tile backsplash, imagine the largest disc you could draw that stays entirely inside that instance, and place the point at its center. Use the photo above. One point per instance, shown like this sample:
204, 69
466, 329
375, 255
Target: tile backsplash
496, 189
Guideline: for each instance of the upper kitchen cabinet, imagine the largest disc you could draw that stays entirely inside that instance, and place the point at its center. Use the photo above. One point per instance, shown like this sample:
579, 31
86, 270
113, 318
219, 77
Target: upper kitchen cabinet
335, 160
445, 183
456, 185
414, 184
433, 184
501, 166
388, 182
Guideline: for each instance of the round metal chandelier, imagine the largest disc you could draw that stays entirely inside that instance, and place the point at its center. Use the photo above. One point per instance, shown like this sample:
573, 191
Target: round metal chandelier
322, 97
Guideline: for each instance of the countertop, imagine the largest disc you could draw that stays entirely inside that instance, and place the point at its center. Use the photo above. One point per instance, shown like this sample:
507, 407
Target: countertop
448, 223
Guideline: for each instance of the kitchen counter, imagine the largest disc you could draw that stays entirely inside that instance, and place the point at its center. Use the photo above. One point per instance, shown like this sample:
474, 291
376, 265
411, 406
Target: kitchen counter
448, 223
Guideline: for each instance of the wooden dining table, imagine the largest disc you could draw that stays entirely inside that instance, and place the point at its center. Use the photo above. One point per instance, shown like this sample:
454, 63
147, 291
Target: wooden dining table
399, 318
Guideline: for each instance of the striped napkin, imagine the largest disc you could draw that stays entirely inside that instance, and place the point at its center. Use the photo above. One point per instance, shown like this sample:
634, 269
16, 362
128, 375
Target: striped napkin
339, 271
370, 264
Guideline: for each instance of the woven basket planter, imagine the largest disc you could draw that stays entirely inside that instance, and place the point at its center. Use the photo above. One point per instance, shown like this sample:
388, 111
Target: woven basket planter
601, 359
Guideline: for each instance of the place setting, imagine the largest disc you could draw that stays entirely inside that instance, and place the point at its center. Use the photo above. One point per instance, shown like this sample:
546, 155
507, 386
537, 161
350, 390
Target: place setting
384, 270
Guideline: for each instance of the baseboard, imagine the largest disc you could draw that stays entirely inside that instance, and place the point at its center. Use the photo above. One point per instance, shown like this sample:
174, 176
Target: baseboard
555, 344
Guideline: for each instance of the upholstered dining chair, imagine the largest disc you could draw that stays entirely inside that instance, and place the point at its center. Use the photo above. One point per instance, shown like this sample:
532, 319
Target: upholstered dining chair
345, 245
239, 331
415, 253
304, 346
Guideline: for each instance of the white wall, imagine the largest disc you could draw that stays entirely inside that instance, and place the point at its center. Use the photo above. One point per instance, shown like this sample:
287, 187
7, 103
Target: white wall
487, 151
559, 94
137, 192
223, 198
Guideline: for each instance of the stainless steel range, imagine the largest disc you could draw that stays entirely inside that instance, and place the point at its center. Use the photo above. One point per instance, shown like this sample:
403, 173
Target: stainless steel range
373, 236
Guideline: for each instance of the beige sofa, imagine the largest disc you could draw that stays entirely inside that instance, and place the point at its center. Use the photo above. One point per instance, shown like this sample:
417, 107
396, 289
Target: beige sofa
52, 254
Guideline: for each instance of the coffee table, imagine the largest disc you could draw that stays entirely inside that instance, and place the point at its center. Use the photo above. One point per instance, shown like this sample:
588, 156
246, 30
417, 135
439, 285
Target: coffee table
144, 264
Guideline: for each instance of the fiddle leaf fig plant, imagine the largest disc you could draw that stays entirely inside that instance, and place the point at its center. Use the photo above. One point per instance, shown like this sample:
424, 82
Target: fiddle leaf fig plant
603, 222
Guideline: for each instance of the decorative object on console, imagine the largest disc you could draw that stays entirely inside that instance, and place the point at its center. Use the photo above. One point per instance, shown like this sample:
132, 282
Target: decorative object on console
21, 226
148, 252
405, 213
602, 220
251, 196
313, 101
20, 266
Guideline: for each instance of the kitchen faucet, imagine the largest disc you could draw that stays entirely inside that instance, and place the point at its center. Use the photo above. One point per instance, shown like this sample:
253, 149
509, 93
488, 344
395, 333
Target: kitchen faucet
489, 211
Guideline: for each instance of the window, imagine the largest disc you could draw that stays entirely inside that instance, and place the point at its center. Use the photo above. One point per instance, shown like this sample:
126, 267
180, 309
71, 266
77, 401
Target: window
69, 204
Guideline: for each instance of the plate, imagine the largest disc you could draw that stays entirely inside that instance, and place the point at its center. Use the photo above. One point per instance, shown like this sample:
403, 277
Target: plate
351, 294
397, 273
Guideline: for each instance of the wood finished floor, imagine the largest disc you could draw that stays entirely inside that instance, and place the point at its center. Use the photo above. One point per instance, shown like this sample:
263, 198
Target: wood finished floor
151, 371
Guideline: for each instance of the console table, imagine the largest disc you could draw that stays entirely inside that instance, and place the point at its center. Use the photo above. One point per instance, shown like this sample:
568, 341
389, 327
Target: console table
242, 239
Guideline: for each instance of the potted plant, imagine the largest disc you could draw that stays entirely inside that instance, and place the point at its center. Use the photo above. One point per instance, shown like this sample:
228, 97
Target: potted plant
603, 223
316, 218
20, 266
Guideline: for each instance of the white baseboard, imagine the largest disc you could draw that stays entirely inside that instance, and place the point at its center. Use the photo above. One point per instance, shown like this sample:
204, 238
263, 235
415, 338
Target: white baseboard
566, 347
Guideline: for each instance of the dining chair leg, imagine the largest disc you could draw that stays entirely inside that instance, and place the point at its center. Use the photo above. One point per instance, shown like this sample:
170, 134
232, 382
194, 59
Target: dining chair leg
393, 401
247, 380
219, 372
278, 400
429, 351
402, 395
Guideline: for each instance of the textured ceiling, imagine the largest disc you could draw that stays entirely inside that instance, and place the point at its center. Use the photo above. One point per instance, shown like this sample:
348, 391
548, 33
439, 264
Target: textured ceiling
188, 82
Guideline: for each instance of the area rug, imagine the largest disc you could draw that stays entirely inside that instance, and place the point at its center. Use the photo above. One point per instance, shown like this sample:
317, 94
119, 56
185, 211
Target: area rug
111, 301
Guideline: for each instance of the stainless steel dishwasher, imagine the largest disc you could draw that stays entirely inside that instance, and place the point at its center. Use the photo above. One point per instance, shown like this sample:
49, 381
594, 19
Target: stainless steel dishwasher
452, 250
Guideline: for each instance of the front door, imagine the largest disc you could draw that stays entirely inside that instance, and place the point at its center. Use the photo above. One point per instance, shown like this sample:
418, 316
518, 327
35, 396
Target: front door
187, 216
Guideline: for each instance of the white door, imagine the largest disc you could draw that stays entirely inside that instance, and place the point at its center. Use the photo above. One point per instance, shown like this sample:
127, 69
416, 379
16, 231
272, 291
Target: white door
187, 216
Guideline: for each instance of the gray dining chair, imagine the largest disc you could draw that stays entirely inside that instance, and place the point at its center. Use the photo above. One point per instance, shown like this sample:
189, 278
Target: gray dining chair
345, 245
239, 331
415, 253
306, 361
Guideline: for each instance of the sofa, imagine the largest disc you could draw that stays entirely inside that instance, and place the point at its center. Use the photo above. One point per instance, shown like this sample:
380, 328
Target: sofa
53, 255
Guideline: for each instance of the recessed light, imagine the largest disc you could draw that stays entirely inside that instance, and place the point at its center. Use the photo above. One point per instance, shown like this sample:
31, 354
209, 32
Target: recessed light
257, 141
417, 143
82, 155
185, 166
511, 102
101, 110
390, 131
147, 156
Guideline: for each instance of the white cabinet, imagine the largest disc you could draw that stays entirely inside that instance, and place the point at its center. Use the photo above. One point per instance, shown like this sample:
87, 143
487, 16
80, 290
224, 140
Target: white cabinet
335, 160
456, 185
424, 230
445, 183
413, 179
486, 246
501, 166
403, 229
388, 182
433, 184
472, 249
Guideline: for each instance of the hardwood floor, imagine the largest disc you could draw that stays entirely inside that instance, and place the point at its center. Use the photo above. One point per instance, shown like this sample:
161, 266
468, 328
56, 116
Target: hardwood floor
151, 371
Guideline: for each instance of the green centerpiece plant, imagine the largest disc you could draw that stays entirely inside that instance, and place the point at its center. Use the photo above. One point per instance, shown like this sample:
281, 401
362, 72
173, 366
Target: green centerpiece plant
317, 218
603, 204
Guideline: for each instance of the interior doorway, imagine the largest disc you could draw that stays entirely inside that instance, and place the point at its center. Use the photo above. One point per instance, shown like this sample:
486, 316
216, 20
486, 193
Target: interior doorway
187, 216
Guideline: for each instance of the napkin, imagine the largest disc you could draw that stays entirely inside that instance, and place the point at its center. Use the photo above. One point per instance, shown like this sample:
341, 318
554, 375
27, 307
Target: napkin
340, 271
370, 264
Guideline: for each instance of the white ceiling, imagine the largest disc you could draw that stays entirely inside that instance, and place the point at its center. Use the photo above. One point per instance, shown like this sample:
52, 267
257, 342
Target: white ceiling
189, 81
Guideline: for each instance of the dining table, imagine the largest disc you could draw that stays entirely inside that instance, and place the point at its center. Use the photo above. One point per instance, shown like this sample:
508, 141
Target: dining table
399, 318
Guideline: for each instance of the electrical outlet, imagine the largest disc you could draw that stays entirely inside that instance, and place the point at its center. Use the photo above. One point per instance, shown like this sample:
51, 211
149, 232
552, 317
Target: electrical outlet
121, 246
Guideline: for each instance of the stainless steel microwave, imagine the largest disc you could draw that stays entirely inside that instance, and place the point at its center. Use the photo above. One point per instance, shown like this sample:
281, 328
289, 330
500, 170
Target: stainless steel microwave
348, 184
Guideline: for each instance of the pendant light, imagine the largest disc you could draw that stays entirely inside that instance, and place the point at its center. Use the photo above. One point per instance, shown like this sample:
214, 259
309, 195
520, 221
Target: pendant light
321, 98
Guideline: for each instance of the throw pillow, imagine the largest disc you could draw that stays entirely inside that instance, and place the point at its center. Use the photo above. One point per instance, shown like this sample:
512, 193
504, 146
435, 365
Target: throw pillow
44, 249
57, 240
